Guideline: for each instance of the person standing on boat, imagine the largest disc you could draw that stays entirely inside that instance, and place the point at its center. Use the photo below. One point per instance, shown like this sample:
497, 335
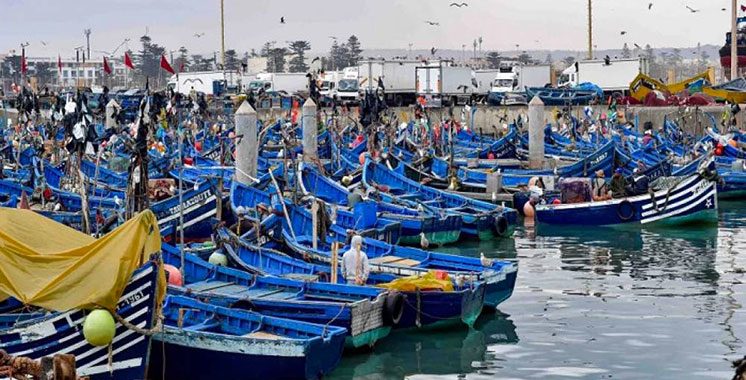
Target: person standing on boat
355, 265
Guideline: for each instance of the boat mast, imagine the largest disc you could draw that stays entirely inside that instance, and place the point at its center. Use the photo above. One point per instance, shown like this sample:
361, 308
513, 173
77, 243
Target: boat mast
733, 41
590, 30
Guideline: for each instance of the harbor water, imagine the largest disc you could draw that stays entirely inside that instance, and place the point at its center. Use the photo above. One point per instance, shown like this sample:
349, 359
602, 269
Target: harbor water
592, 304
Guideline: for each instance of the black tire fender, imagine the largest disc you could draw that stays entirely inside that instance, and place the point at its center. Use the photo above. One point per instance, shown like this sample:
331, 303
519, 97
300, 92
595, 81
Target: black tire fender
625, 204
501, 225
393, 308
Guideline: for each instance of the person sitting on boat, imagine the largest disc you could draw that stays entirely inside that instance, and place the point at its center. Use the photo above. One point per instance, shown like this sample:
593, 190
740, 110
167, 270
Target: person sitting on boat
355, 265
640, 183
618, 186
600, 188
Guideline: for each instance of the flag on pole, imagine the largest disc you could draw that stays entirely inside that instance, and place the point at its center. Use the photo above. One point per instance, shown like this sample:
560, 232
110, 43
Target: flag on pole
128, 61
107, 68
59, 62
743, 8
24, 66
166, 66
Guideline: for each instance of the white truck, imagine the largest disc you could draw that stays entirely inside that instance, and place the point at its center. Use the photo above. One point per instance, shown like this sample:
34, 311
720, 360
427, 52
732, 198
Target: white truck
397, 76
207, 82
290, 83
613, 76
348, 87
518, 78
445, 85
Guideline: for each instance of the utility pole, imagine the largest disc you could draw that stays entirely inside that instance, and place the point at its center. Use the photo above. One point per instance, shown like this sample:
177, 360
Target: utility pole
590, 30
734, 42
87, 33
222, 34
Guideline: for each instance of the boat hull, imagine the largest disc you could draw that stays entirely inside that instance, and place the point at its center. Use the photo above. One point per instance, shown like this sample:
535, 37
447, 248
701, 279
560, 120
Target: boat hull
63, 333
691, 197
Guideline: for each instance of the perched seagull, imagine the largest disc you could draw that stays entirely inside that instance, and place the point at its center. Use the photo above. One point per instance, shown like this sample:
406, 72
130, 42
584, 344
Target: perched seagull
692, 9
459, 5
198, 35
650, 6
433, 23
282, 20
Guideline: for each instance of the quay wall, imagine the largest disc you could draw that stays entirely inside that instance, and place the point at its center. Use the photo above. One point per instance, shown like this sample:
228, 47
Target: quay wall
691, 119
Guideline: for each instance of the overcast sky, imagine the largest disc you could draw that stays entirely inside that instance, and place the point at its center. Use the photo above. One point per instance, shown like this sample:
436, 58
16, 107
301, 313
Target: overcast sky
534, 24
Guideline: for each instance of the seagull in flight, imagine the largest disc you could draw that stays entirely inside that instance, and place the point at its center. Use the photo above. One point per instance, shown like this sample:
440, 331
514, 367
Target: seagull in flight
43, 43
650, 6
433, 23
198, 35
623, 32
433, 50
282, 20
637, 46
459, 5
692, 9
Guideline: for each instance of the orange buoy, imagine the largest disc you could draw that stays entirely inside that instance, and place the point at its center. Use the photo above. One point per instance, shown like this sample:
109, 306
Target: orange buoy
556, 201
174, 275
528, 210
361, 158
733, 143
198, 146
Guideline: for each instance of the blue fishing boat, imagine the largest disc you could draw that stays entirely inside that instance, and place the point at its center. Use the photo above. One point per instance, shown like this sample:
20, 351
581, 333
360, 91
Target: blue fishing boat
203, 341
497, 275
437, 230
684, 199
481, 219
561, 96
41, 334
368, 314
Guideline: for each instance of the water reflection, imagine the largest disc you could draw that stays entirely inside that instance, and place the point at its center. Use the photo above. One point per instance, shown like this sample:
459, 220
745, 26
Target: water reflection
454, 351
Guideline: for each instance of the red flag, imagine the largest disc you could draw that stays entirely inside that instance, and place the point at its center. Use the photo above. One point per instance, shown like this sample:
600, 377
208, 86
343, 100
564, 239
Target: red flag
107, 68
743, 8
24, 67
166, 66
181, 66
59, 62
128, 61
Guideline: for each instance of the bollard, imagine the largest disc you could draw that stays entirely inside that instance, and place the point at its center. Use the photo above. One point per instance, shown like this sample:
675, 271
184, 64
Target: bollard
246, 148
536, 124
309, 124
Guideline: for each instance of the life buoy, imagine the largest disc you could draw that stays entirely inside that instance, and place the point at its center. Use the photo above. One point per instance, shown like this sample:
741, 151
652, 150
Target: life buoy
620, 211
393, 308
501, 226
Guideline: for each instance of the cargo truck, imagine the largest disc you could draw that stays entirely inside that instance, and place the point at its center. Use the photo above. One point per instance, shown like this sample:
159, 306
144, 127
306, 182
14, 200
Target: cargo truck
397, 77
443, 85
612, 76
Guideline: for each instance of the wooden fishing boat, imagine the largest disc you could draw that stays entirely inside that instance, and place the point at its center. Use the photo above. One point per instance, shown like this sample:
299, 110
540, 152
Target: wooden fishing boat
203, 341
561, 96
481, 219
498, 276
687, 199
438, 230
50, 321
39, 335
368, 314
420, 308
